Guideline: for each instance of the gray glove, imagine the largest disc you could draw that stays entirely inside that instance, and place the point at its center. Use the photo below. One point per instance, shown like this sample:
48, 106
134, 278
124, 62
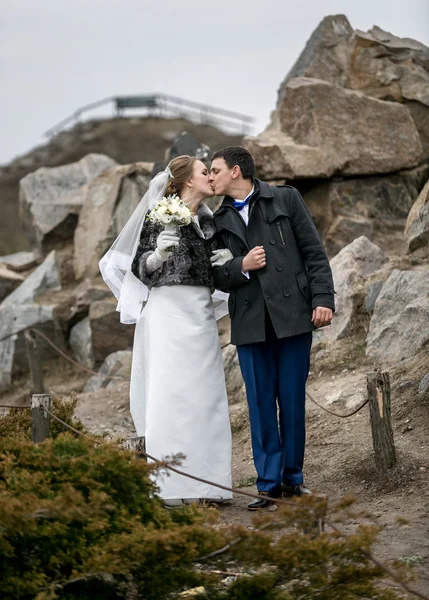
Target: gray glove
165, 241
220, 257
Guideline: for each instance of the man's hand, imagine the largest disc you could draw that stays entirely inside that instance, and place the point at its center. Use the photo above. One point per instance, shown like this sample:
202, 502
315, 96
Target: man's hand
256, 259
321, 316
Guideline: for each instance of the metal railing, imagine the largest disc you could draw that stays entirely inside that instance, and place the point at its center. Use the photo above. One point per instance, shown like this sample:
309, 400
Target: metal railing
162, 105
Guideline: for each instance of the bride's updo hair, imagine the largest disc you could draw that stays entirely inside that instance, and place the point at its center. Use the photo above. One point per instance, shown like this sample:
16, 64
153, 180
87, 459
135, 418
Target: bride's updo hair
182, 169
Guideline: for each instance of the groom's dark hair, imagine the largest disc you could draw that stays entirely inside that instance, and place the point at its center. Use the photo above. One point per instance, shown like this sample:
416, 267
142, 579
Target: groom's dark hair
237, 155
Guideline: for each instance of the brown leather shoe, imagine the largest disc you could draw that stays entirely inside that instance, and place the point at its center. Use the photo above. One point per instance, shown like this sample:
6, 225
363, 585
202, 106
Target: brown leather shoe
295, 490
261, 503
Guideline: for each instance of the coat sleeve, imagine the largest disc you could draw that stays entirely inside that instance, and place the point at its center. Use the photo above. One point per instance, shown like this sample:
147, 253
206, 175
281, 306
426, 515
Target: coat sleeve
312, 251
148, 237
229, 276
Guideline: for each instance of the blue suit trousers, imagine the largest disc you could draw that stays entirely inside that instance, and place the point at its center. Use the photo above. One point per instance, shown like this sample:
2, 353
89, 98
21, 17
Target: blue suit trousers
275, 374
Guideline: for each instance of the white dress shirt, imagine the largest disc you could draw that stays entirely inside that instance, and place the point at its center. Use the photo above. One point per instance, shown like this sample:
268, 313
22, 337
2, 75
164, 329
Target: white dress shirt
244, 214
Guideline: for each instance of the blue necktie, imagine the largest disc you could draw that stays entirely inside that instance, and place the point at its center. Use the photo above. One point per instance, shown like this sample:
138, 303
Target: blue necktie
240, 205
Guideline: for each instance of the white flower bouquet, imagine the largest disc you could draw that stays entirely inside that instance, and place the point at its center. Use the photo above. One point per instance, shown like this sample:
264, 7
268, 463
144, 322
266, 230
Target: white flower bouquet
171, 212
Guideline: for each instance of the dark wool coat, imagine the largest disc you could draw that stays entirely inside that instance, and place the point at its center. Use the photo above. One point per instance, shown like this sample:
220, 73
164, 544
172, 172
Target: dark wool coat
189, 263
297, 276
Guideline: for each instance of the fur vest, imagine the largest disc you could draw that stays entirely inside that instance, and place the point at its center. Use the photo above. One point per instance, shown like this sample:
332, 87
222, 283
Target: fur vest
189, 263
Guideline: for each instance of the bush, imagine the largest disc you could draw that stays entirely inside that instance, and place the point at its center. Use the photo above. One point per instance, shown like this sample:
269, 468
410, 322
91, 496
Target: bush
74, 511
80, 519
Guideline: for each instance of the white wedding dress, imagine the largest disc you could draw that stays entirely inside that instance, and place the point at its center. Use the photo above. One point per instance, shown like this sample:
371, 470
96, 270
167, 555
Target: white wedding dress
178, 395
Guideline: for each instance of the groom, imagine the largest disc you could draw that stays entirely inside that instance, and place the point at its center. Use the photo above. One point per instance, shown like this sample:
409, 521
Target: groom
281, 289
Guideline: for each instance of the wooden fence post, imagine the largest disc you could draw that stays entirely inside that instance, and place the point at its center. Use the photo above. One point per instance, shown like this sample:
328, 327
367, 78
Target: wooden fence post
378, 386
41, 421
34, 362
136, 444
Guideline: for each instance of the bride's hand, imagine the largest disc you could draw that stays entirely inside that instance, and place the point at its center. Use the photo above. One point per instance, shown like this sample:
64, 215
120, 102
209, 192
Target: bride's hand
220, 257
165, 241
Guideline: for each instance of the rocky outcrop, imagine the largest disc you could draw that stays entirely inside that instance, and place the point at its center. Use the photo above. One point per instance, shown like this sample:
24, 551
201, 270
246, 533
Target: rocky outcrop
109, 202
398, 327
45, 277
417, 225
322, 129
376, 63
50, 199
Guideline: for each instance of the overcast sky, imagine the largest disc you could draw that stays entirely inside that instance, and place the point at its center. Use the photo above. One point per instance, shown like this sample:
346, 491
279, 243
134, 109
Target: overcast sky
57, 55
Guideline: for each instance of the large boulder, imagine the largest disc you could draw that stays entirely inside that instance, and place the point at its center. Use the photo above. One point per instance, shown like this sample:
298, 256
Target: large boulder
417, 226
14, 320
399, 324
50, 199
352, 266
321, 129
116, 367
45, 277
108, 333
376, 63
109, 202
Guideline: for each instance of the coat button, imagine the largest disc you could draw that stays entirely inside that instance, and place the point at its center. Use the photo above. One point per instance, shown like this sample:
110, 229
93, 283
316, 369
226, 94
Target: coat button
286, 294
246, 301
279, 268
272, 242
330, 290
305, 288
225, 270
267, 296
268, 220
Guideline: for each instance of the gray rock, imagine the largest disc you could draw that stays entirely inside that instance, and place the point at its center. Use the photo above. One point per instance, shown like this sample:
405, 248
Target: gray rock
21, 261
108, 334
51, 198
345, 209
398, 327
14, 320
424, 384
81, 343
83, 296
325, 55
372, 293
376, 63
45, 277
8, 281
109, 202
117, 365
350, 268
321, 129
417, 226
349, 396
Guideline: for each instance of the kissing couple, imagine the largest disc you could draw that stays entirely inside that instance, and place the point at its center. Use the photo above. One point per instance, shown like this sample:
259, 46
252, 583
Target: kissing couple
260, 252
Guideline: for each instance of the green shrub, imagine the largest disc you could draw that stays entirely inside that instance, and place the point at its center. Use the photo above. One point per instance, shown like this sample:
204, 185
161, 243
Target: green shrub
80, 519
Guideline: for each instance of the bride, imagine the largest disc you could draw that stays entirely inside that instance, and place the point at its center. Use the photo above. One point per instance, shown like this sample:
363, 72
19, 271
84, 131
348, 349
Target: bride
177, 395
